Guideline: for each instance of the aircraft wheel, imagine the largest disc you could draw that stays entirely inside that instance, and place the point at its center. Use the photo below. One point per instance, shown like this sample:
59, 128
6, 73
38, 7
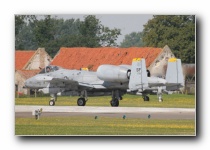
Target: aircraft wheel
51, 102
146, 98
114, 103
81, 102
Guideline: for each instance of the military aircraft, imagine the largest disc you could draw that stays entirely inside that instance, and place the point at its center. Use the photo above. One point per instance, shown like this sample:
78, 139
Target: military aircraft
107, 80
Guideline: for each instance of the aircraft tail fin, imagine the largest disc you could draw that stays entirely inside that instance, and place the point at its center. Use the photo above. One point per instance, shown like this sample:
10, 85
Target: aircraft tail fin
174, 74
138, 77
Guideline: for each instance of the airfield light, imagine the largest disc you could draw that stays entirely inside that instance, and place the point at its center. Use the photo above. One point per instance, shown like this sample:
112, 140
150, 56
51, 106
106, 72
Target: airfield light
38, 113
124, 116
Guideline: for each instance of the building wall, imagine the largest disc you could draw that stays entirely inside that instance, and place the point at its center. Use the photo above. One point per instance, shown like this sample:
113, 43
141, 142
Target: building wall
39, 60
159, 66
189, 77
19, 82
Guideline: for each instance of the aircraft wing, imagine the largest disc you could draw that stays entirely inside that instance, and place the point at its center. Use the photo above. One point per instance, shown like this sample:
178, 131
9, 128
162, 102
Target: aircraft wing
52, 80
156, 84
61, 82
173, 86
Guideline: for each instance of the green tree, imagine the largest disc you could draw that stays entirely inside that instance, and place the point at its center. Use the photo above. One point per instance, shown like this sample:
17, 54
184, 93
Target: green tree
19, 21
133, 39
24, 38
94, 34
108, 36
53, 33
176, 31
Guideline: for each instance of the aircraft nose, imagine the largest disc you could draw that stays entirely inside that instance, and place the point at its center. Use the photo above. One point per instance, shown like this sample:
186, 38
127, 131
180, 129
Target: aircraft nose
26, 83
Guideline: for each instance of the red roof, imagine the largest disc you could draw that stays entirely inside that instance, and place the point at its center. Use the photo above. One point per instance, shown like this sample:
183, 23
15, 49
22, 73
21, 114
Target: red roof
76, 58
28, 73
21, 58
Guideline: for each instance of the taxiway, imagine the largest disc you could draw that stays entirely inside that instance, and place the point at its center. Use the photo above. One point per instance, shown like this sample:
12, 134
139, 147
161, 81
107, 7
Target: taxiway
130, 112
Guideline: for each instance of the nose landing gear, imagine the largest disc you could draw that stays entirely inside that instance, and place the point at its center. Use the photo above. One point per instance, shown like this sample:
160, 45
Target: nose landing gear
53, 99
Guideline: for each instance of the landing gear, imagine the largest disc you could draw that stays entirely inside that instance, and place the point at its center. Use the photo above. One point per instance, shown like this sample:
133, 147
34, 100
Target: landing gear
160, 99
116, 96
146, 98
83, 98
159, 94
52, 102
53, 99
114, 103
81, 102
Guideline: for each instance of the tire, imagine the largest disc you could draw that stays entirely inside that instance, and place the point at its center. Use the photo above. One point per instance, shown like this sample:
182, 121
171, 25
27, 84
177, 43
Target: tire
81, 102
51, 102
146, 98
114, 103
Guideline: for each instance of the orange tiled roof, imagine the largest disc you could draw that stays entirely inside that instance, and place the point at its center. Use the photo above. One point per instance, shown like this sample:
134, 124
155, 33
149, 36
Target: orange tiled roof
28, 73
21, 58
76, 58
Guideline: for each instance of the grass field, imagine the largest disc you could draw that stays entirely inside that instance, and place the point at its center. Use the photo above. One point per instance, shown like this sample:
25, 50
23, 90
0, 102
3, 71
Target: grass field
102, 126
174, 100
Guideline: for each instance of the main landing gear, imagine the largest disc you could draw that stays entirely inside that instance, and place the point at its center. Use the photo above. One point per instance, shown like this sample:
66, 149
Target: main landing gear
53, 99
159, 95
116, 96
146, 98
160, 99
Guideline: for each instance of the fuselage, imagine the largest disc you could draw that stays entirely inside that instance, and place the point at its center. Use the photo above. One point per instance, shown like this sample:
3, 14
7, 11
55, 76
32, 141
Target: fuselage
88, 79
71, 77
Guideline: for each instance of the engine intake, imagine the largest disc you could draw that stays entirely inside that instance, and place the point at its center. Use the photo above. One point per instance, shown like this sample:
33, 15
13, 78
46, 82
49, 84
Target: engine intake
113, 73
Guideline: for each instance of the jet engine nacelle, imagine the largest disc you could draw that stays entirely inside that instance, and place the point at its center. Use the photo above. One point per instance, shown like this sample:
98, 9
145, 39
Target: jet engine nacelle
113, 73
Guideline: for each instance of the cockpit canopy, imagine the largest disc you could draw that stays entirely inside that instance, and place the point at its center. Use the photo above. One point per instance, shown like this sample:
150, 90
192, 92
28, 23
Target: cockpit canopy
50, 68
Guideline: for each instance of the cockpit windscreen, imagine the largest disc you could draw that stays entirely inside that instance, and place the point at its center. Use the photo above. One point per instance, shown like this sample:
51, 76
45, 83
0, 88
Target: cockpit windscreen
49, 69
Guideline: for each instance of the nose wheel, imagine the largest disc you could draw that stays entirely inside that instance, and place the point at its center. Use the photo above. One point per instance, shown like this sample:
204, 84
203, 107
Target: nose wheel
52, 102
53, 99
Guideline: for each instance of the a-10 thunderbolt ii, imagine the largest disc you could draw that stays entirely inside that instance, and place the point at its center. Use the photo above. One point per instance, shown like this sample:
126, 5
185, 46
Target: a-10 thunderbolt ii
107, 80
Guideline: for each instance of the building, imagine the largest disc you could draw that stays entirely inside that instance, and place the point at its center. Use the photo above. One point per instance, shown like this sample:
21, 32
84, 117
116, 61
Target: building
91, 58
190, 78
27, 64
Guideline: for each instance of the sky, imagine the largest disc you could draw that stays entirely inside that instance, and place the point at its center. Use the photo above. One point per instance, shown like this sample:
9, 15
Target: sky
126, 22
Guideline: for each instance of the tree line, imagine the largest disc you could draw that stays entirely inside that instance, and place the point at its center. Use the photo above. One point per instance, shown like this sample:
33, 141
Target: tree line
53, 33
176, 31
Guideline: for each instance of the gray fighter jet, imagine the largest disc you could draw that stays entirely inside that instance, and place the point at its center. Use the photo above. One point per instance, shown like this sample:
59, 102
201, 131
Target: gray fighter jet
107, 80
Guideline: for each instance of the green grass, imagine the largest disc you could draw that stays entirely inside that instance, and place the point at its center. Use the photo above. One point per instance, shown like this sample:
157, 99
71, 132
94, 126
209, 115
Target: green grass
102, 126
174, 100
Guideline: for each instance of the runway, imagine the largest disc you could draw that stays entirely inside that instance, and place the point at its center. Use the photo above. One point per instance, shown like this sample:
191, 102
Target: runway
130, 112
